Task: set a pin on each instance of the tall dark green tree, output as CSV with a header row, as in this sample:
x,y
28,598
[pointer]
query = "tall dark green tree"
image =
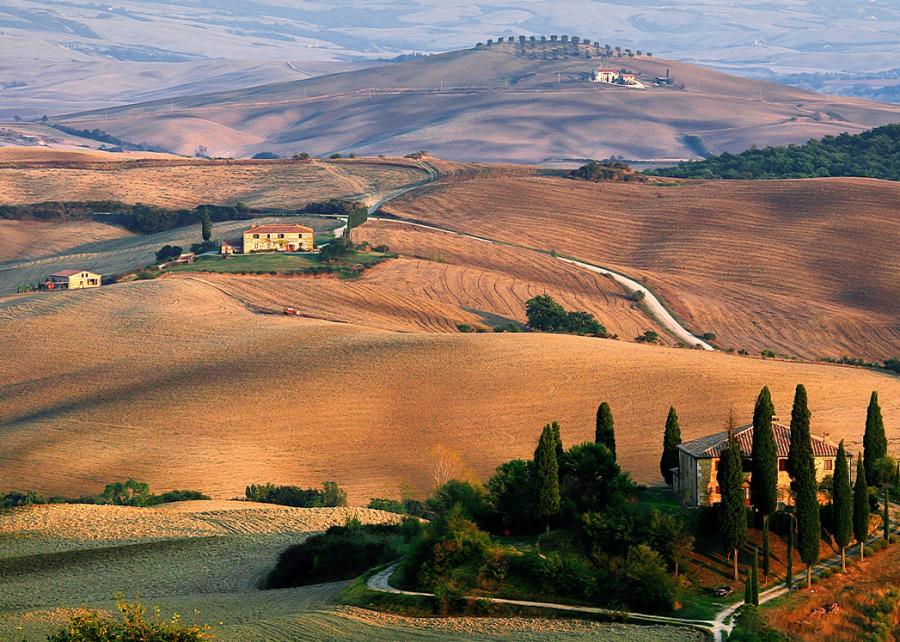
x,y
754,577
886,516
806,489
842,505
764,467
861,508
671,439
789,557
546,471
205,225
605,432
733,515
874,442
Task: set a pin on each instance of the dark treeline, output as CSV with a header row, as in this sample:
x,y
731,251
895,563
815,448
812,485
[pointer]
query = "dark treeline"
x,y
121,493
104,137
872,154
139,217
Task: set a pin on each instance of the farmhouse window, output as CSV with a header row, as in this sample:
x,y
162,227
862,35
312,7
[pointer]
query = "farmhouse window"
x,y
281,236
256,236
829,464
782,465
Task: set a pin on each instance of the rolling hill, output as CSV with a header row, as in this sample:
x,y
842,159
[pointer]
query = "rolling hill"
x,y
806,268
176,383
498,103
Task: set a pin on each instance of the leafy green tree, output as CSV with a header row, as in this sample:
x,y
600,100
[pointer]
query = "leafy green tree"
x,y
511,495
874,441
168,253
205,225
546,470
127,493
806,489
861,508
842,505
605,432
545,314
333,495
764,467
671,439
733,516
591,480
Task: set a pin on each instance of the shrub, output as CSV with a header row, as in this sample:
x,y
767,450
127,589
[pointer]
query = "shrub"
x,y
330,495
96,626
649,336
342,552
15,498
546,315
266,156
402,506
168,253
647,583
381,248
637,296
465,328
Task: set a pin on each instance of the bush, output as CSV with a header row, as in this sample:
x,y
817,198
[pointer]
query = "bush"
x,y
266,156
168,253
647,584
341,553
546,315
330,495
649,336
15,498
96,626
402,506
465,328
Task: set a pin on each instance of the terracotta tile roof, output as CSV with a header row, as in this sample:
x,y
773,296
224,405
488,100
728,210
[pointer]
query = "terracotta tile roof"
x,y
67,273
279,229
713,445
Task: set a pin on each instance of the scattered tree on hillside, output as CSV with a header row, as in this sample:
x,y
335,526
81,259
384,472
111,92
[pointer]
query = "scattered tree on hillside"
x,y
764,467
842,505
605,432
546,315
546,469
874,442
733,516
671,439
803,474
861,508
205,225
168,252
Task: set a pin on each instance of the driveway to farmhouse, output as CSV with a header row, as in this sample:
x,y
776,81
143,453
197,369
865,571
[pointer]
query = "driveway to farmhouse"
x,y
718,627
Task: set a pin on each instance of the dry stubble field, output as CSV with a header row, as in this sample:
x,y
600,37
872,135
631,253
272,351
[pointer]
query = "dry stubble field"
x,y
28,239
177,383
190,182
807,267
204,560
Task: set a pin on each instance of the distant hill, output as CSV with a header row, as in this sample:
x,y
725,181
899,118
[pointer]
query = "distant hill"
x,y
872,154
506,102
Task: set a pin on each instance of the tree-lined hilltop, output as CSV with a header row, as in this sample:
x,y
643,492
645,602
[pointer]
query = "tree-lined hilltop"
x,y
872,154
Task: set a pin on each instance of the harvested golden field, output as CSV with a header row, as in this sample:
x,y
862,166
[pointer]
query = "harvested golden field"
x,y
176,383
441,281
808,268
25,239
20,154
187,183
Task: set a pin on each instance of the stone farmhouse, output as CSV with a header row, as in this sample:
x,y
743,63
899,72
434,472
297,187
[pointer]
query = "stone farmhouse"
x,y
694,479
73,280
279,238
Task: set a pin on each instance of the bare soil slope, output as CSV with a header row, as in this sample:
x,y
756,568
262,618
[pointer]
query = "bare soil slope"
x,y
492,104
178,384
186,182
809,268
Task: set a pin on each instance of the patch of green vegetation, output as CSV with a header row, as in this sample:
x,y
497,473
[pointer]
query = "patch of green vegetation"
x,y
272,263
871,154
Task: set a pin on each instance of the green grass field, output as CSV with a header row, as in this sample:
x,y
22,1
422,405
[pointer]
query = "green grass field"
x,y
280,263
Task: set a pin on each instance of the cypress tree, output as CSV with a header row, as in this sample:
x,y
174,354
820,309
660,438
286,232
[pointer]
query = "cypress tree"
x,y
767,553
886,516
803,473
206,225
671,439
733,515
789,571
546,469
764,467
842,505
754,582
874,441
605,433
861,508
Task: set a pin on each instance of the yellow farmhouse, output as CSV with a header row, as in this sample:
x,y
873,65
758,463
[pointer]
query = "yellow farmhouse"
x,y
695,477
279,238
74,280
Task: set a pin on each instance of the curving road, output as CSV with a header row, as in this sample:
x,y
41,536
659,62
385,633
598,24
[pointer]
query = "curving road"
x,y
719,627
653,305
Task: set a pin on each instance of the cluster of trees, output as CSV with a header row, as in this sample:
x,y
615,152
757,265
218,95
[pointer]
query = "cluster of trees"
x,y
546,315
342,552
336,206
607,171
329,496
139,217
873,154
120,493
104,137
593,536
